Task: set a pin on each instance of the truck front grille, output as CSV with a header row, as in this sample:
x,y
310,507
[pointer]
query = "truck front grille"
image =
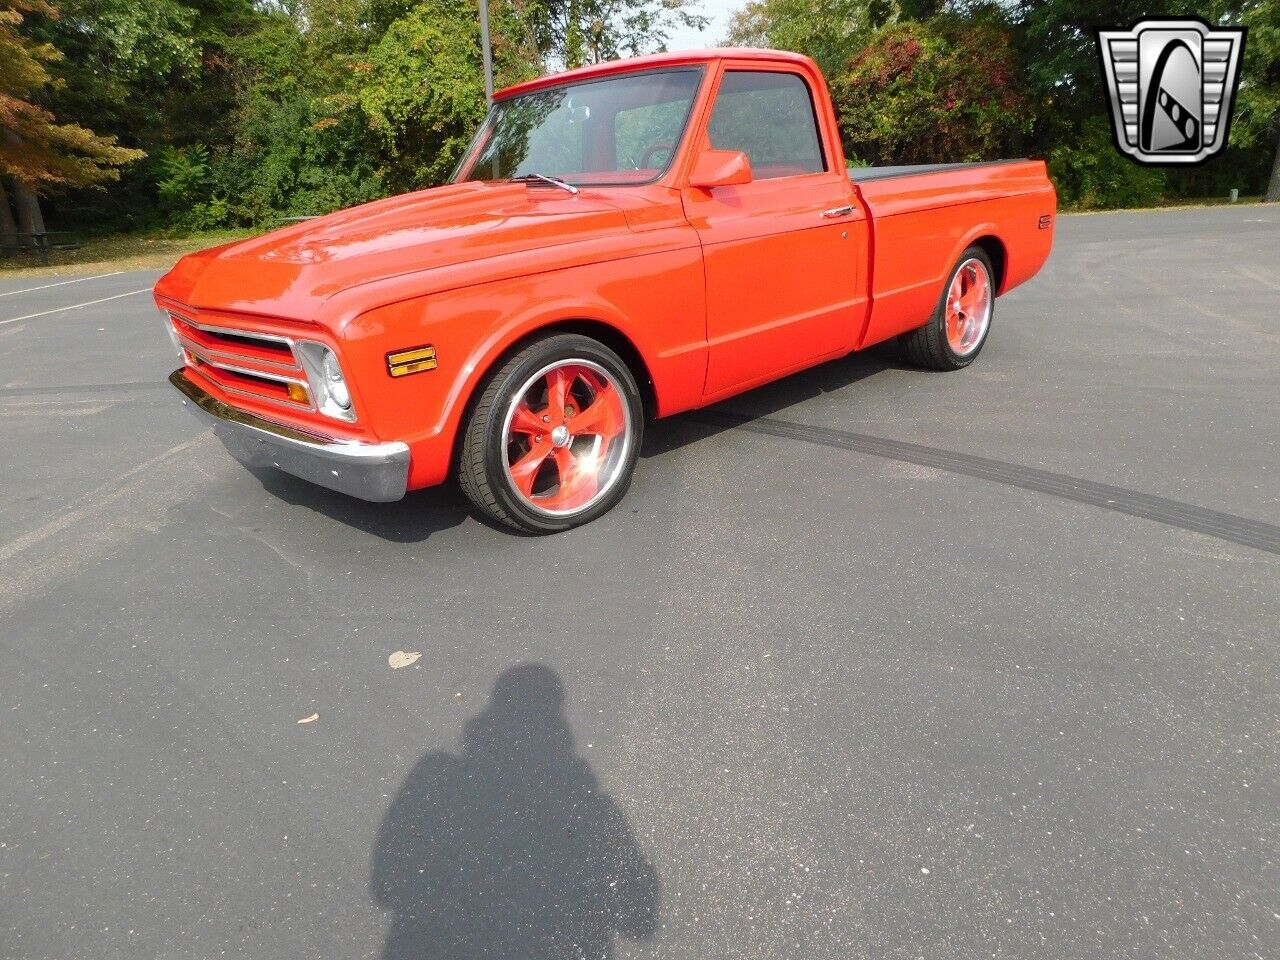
x,y
259,365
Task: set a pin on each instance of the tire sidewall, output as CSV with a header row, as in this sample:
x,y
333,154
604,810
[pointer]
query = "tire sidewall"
x,y
558,349
963,360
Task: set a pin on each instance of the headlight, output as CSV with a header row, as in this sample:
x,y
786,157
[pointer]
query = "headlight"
x,y
324,373
335,386
173,337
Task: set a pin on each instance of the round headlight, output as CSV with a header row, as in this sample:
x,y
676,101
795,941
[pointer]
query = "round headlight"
x,y
334,383
173,338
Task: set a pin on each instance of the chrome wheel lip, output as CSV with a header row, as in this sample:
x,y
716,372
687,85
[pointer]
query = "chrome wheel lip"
x,y
968,342
615,468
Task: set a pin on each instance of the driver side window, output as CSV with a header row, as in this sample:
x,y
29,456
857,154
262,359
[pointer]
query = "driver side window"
x,y
769,116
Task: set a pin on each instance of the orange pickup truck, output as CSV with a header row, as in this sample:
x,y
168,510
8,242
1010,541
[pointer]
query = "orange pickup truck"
x,y
621,242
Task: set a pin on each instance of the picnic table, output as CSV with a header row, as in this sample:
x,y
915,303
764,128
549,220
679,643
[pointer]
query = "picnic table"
x,y
41,243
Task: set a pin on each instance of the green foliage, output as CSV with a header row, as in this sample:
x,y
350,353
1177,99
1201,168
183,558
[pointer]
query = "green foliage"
x,y
829,31
183,171
124,43
1257,115
911,85
1090,173
571,33
288,159
945,90
1069,100
251,110
185,190
113,49
39,149
204,215
423,92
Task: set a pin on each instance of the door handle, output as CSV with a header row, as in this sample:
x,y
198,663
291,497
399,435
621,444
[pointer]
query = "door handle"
x,y
837,212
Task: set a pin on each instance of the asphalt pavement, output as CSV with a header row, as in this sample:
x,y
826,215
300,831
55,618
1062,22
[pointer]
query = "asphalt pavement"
x,y
872,662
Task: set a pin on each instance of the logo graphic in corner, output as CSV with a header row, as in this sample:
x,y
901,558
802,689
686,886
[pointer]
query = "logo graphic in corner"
x,y
1172,83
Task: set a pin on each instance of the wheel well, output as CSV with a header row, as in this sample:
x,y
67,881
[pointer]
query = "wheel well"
x,y
615,340
994,249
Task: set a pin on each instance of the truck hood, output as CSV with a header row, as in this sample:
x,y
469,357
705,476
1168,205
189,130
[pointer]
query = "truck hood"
x,y
289,272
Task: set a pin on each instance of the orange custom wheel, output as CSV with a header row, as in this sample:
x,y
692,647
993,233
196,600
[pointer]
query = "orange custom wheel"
x,y
959,326
552,441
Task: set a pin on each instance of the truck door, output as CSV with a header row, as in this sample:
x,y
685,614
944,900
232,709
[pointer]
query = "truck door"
x,y
782,253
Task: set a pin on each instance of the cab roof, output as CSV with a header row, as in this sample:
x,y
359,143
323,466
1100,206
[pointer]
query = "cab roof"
x,y
681,58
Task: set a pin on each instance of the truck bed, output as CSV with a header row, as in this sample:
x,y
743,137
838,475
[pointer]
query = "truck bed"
x,y
923,216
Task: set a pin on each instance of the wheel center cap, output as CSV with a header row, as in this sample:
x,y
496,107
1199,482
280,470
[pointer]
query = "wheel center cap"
x,y
560,436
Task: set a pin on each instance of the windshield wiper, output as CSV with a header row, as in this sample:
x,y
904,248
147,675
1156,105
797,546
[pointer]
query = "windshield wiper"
x,y
554,181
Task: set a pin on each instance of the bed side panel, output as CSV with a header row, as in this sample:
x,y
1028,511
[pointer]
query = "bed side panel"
x,y
923,222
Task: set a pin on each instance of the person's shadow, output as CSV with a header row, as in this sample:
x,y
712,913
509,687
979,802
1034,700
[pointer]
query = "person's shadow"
x,y
511,850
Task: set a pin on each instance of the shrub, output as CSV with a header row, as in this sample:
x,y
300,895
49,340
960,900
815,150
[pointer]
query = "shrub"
x,y
940,91
183,172
1090,173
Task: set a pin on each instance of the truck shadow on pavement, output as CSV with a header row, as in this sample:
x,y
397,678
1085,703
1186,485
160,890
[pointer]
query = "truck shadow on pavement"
x,y
511,848
411,520
424,512
669,435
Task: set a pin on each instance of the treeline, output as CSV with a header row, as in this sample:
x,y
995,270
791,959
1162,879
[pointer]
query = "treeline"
x,y
199,114
922,81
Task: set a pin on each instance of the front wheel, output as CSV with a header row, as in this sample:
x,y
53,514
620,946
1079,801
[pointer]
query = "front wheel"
x,y
553,439
959,326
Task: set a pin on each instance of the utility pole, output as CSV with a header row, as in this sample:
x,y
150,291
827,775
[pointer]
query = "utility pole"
x,y
486,50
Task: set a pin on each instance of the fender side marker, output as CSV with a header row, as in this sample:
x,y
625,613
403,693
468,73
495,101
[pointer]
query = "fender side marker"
x,y
414,360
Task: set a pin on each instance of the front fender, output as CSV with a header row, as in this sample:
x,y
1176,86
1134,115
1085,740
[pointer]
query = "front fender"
x,y
473,327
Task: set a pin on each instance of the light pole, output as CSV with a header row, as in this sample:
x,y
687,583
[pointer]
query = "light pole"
x,y
485,50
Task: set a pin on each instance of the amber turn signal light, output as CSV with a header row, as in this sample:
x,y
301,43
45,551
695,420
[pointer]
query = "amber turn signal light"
x,y
415,360
298,393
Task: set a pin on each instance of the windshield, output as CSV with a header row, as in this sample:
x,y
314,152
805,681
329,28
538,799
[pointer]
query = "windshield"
x,y
618,131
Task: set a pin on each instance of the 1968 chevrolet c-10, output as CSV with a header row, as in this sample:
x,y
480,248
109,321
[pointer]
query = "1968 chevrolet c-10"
x,y
620,242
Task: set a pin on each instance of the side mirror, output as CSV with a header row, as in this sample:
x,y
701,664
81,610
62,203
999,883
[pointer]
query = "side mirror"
x,y
720,168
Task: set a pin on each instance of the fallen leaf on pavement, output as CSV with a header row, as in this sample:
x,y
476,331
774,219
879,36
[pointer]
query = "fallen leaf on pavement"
x,y
401,659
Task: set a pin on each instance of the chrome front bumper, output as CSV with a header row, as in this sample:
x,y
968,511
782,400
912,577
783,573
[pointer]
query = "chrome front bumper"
x,y
370,471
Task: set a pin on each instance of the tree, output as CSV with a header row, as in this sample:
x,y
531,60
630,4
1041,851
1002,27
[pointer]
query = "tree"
x,y
570,33
829,31
37,153
155,73
1069,101
1257,114
946,90
422,88
297,143
1273,184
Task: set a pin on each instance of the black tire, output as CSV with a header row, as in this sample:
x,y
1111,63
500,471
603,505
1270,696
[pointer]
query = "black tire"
x,y
928,346
483,452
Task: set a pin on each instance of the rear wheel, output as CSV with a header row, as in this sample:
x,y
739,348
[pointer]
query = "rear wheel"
x,y
958,328
553,439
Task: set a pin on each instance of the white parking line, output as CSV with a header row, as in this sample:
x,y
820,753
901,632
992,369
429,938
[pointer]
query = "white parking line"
x,y
62,283
75,306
